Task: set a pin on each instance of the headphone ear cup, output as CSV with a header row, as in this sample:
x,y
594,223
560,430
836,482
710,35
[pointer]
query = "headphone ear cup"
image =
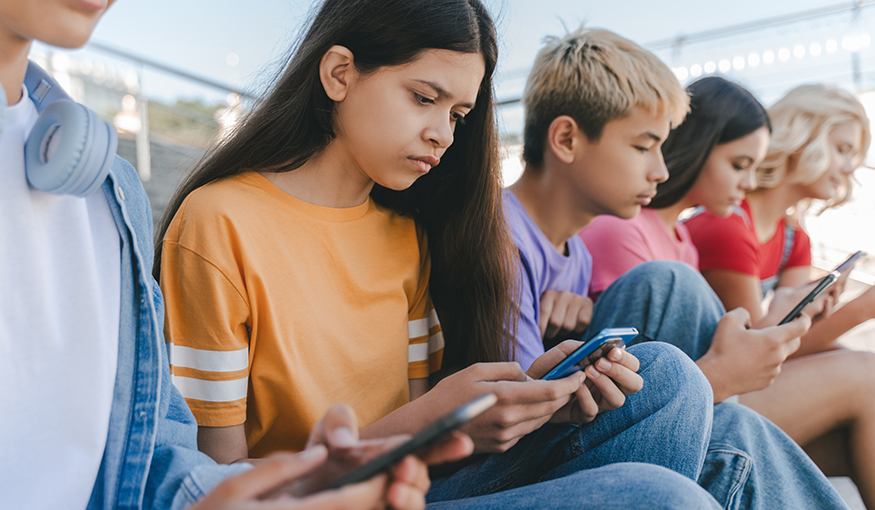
x,y
69,150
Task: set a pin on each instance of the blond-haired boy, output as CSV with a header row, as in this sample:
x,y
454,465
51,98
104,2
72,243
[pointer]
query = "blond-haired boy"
x,y
598,108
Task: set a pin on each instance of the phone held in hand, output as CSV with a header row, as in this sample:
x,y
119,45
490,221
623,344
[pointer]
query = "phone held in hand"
x,y
428,436
821,286
588,353
848,264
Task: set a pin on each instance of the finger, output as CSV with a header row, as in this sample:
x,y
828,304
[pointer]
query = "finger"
x,y
546,310
557,317
455,446
612,396
739,316
545,362
584,316
587,406
496,372
412,471
274,471
341,426
401,496
368,494
625,380
537,391
622,356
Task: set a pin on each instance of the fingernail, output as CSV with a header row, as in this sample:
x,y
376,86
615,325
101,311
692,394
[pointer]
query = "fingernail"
x,y
615,354
592,373
603,364
343,436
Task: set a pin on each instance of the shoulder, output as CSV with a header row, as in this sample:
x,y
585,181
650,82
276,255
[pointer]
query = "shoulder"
x,y
707,227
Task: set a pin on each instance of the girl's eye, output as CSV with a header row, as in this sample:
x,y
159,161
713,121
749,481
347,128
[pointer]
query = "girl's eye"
x,y
738,167
458,118
641,149
422,99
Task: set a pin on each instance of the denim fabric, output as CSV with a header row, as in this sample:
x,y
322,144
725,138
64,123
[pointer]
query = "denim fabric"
x,y
616,487
646,429
151,452
750,462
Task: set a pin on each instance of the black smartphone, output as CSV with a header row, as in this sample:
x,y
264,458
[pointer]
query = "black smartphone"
x,y
821,286
426,437
848,264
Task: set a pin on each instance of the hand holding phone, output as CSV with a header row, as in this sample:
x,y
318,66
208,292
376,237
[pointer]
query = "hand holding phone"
x,y
588,353
821,286
428,436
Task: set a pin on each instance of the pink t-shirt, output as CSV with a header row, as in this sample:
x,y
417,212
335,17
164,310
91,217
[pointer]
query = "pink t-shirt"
x,y
618,245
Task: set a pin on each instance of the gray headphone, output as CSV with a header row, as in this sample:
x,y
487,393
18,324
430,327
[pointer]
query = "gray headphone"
x,y
69,150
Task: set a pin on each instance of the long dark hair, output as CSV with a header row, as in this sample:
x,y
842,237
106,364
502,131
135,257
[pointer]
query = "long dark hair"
x,y
458,203
720,112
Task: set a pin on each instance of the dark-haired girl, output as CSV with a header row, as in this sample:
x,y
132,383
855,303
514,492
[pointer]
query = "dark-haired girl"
x,y
307,259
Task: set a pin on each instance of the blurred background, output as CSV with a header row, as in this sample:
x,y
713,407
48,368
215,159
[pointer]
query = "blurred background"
x,y
176,76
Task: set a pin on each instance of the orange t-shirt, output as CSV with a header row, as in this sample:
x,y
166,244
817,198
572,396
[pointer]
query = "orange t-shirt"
x,y
277,309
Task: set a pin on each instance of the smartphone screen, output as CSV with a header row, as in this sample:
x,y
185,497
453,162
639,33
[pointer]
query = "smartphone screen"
x,y
821,286
426,437
588,353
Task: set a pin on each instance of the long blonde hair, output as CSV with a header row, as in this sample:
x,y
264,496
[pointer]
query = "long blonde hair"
x,y
801,123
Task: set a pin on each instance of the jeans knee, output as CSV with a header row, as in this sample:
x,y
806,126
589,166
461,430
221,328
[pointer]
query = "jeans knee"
x,y
669,374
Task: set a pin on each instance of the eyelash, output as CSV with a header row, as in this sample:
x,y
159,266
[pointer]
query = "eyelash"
x,y
422,100
642,149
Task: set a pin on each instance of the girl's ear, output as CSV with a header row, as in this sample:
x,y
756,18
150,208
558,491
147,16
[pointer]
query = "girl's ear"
x,y
336,70
562,137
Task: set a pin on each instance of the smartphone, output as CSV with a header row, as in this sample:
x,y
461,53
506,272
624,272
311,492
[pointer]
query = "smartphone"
x,y
588,353
848,264
426,437
821,286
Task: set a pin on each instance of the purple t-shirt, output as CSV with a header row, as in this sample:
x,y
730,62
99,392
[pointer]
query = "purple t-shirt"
x,y
543,268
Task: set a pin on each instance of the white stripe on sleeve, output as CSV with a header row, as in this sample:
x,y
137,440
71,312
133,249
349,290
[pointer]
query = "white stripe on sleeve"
x,y
209,361
417,352
211,391
435,342
417,328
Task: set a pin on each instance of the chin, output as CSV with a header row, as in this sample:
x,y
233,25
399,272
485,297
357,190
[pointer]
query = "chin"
x,y
628,213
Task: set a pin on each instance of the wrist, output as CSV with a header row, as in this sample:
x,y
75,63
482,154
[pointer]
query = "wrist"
x,y
710,366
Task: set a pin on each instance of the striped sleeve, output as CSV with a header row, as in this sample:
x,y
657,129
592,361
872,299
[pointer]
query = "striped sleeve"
x,y
426,346
207,337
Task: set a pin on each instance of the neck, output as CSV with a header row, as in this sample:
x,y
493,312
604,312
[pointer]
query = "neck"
x,y
329,179
13,64
769,205
669,215
552,205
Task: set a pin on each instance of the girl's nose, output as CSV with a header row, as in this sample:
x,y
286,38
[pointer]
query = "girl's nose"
x,y
748,180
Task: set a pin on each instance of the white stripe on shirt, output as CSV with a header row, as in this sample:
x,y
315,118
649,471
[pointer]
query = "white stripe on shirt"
x,y
209,361
211,391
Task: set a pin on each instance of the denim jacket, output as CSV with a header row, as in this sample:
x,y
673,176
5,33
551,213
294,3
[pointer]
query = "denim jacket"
x,y
151,458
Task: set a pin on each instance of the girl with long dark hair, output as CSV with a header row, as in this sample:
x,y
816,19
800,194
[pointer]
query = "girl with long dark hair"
x,y
307,259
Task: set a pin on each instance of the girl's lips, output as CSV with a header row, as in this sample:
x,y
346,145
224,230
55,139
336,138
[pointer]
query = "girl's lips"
x,y
425,163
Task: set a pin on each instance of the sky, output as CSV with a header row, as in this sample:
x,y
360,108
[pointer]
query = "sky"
x,y
204,36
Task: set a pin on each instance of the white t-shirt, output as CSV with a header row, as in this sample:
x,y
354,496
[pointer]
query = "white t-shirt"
x,y
60,259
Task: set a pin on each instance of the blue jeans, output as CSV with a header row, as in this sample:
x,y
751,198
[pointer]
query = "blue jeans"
x,y
750,463
666,424
615,487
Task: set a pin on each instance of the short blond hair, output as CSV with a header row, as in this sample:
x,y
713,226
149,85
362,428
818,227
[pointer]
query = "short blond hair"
x,y
801,123
595,76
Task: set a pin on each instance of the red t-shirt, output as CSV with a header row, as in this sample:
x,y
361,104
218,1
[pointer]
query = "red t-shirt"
x,y
731,243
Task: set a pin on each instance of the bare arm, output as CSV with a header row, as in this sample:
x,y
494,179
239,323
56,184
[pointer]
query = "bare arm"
x,y
737,290
224,444
825,332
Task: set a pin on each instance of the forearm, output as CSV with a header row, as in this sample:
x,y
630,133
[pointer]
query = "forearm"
x,y
826,331
407,419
